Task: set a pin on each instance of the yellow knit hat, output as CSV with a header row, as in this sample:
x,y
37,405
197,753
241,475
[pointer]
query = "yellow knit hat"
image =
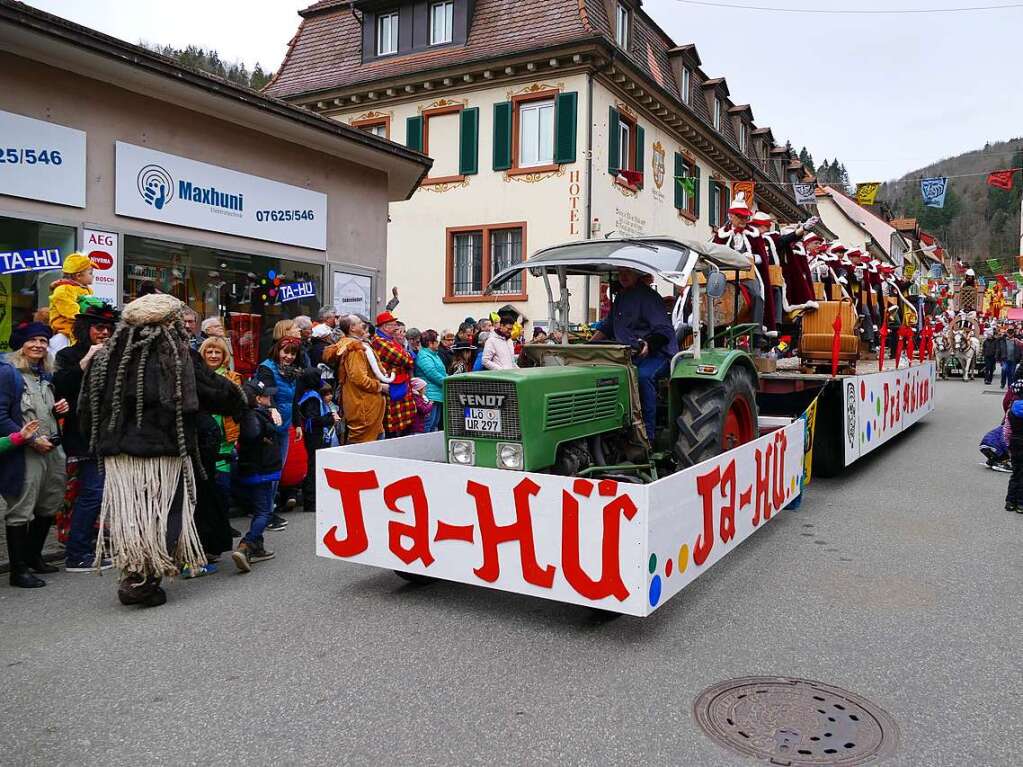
x,y
77,262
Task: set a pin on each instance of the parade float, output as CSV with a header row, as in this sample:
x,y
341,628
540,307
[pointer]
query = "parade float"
x,y
545,482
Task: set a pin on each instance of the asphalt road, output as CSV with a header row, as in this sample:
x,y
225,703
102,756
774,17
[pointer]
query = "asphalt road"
x,y
900,582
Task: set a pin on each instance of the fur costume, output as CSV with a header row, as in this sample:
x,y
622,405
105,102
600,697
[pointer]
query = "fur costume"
x,y
138,408
750,242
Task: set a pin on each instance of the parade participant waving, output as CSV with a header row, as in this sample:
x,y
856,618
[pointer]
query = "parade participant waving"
x,y
739,235
795,293
396,362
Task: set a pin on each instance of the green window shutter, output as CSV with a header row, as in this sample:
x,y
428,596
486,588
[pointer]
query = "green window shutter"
x,y
502,135
679,173
614,151
696,184
469,142
712,190
414,133
565,128
640,154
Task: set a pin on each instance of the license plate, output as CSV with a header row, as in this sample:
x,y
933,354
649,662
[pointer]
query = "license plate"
x,y
483,420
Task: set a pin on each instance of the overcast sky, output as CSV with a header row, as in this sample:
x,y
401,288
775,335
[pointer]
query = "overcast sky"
x,y
885,93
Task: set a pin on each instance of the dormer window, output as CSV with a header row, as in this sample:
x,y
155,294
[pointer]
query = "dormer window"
x,y
622,25
441,22
743,136
685,87
717,113
387,33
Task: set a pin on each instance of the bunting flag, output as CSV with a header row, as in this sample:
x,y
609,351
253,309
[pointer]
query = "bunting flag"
x,y
688,184
1001,179
744,187
994,264
866,194
805,194
933,190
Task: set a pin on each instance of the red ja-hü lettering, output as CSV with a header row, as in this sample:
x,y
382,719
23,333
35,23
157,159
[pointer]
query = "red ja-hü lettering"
x,y
419,531
726,528
610,582
350,484
763,491
521,530
781,442
705,486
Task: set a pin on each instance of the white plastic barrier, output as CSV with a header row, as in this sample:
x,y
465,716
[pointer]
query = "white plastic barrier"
x,y
879,406
615,546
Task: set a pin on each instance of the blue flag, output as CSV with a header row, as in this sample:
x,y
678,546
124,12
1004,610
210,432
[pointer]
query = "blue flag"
x,y
933,191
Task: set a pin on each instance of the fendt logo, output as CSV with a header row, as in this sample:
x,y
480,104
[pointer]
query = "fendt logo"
x,y
482,400
156,186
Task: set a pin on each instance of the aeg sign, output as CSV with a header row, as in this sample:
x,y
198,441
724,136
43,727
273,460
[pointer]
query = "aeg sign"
x,y
101,248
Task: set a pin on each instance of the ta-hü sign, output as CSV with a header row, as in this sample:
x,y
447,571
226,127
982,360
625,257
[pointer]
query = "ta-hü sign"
x,y
33,260
176,190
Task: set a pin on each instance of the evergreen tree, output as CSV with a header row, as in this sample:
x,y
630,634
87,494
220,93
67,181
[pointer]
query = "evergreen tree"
x,y
806,158
209,61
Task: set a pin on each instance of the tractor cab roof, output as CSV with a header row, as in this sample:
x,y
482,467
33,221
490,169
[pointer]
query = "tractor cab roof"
x,y
670,259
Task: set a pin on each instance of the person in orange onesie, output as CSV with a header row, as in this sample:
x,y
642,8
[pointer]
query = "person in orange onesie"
x,y
361,386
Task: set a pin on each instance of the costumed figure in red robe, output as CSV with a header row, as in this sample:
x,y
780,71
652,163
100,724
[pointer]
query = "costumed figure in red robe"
x,y
795,294
739,235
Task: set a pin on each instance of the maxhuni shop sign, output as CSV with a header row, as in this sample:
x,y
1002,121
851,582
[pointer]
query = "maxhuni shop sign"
x,y
157,186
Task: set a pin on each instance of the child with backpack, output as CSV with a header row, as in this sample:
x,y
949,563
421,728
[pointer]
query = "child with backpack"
x,y
259,468
318,420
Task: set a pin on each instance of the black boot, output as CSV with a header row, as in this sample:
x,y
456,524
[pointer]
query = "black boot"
x,y
38,530
17,543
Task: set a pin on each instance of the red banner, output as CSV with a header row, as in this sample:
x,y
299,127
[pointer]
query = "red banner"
x,y
1001,179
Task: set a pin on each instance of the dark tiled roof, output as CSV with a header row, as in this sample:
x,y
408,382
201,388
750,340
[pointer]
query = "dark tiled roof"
x,y
327,51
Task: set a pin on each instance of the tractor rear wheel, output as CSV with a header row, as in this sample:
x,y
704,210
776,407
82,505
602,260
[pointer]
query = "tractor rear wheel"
x,y
716,417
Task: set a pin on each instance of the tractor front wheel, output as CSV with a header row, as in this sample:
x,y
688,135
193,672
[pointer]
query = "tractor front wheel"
x,y
716,417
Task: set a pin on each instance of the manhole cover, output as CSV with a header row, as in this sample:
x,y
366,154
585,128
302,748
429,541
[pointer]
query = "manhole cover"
x,y
795,722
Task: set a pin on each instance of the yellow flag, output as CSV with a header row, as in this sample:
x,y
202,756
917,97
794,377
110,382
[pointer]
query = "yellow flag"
x,y
810,429
6,312
866,194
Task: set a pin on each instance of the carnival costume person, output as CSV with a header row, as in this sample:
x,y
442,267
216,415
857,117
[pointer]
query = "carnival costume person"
x,y
968,292
739,235
796,292
398,366
138,408
65,294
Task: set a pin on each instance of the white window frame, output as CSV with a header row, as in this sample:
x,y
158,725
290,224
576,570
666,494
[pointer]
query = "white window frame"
x,y
622,24
448,10
391,18
743,137
624,145
535,106
377,129
686,85
717,113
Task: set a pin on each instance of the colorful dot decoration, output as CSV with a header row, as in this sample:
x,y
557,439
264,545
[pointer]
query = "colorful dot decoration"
x,y
653,563
655,590
683,558
667,569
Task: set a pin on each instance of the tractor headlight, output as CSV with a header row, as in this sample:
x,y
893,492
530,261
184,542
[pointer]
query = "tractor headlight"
x,y
462,451
509,455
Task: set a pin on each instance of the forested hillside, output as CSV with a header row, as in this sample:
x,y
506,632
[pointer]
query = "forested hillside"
x,y
209,61
978,222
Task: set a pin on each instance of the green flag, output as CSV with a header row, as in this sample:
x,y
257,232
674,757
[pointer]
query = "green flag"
x,y
687,183
994,264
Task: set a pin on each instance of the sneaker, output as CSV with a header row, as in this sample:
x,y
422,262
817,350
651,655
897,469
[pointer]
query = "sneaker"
x,y
291,503
1011,506
277,523
86,566
208,569
260,554
1002,466
241,558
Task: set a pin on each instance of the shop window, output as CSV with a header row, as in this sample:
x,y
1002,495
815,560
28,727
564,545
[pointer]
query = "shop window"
x,y
30,254
250,293
477,254
387,33
441,22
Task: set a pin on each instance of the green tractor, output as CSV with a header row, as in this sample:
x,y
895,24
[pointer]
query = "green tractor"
x,y
573,408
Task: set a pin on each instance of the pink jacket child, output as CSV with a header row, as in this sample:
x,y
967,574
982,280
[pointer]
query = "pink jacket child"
x,y
423,406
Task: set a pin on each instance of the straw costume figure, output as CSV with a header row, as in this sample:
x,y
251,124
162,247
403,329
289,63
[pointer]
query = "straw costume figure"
x,y
138,407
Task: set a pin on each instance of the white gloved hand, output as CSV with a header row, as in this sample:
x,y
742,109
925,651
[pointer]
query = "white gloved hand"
x,y
810,223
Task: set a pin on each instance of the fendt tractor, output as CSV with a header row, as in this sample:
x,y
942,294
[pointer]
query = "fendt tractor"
x,y
573,408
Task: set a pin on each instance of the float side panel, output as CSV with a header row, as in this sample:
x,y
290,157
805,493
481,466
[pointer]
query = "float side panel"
x,y
699,515
880,406
465,524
